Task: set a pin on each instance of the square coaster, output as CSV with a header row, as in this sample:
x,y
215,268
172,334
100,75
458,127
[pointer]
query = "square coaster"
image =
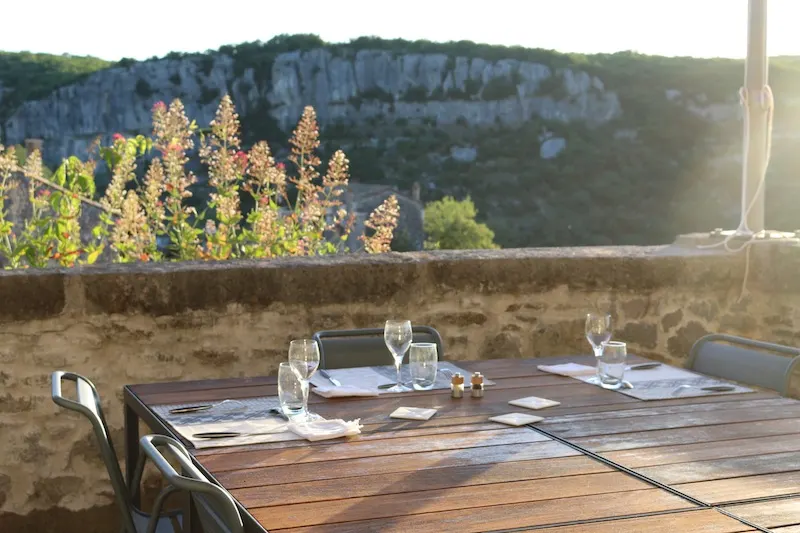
x,y
413,413
534,402
516,419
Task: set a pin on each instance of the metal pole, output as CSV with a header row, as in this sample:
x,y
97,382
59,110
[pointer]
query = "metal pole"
x,y
755,79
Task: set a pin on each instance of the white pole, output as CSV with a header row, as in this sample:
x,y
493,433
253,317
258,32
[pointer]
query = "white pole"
x,y
755,79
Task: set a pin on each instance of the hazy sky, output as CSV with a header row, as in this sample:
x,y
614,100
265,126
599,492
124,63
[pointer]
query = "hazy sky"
x,y
144,28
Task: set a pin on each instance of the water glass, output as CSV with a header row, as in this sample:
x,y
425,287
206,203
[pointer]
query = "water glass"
x,y
292,391
611,364
423,360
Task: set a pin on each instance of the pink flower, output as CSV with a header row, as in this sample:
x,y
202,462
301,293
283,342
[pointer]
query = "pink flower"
x,y
241,159
159,107
117,137
281,166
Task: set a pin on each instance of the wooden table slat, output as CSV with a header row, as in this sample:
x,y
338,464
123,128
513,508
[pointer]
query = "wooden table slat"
x,y
481,519
701,521
399,463
423,479
365,448
684,453
721,491
769,514
469,498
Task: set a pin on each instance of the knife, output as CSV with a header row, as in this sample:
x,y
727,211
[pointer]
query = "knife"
x,y
330,378
644,366
192,409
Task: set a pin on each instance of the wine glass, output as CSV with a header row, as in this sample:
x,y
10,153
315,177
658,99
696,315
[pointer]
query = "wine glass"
x,y
598,332
304,360
397,335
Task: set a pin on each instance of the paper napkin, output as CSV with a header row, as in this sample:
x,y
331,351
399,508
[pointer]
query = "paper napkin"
x,y
533,402
568,369
326,429
413,413
516,419
343,392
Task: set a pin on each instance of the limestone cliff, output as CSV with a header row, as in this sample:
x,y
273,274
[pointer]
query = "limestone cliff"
x,y
371,85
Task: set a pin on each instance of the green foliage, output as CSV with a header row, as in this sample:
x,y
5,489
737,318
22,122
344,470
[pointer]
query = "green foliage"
x,y
450,225
175,79
208,95
499,89
376,93
553,87
26,76
416,93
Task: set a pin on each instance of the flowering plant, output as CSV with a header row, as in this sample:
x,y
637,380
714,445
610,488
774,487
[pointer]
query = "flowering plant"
x,y
298,213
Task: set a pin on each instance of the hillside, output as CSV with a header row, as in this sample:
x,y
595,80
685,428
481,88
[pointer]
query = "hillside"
x,y
555,149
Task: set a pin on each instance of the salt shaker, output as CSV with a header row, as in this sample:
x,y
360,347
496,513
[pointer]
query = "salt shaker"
x,y
457,385
477,385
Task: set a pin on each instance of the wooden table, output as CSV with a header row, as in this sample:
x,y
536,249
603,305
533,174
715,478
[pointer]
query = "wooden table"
x,y
600,462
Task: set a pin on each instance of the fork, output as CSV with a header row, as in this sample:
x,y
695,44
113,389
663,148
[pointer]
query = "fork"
x,y
710,388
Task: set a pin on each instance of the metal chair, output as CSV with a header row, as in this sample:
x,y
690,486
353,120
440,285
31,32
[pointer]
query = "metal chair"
x,y
87,403
365,347
757,363
216,508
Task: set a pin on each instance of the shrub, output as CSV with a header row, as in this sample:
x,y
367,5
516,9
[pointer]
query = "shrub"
x,y
134,217
450,225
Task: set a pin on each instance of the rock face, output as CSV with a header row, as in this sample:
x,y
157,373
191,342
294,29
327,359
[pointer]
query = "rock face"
x,y
370,85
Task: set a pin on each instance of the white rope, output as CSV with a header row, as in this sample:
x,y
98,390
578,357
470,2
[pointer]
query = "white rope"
x,y
767,104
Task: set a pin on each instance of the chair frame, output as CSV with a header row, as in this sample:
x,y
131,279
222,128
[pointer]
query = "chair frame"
x,y
750,343
372,332
123,494
197,483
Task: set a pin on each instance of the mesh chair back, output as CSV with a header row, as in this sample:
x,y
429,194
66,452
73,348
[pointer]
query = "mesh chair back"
x,y
365,347
757,363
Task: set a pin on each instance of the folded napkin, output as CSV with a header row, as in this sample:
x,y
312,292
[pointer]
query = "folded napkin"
x,y
571,370
325,429
343,391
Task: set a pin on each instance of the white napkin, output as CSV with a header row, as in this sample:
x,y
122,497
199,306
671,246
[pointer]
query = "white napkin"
x,y
343,391
326,429
570,370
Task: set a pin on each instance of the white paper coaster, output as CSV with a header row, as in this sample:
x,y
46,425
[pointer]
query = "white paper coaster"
x,y
516,419
534,402
413,413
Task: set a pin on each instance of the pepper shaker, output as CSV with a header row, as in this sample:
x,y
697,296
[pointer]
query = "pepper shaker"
x,y
457,385
477,385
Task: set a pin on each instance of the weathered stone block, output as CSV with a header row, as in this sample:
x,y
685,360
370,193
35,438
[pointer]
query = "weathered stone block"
x,y
645,335
671,320
681,343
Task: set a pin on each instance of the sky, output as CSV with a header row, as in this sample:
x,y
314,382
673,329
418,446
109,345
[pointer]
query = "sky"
x,y
145,28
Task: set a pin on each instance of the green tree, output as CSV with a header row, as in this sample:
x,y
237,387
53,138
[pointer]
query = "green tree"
x,y
450,225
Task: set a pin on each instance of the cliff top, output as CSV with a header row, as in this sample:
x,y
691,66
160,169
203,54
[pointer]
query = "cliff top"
x,y
28,76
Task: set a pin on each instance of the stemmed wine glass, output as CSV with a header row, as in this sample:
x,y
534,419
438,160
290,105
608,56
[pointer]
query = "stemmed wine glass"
x,y
598,332
397,335
304,360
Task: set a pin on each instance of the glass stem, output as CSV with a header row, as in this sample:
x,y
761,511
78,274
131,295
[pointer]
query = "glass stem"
x,y
397,367
598,352
304,386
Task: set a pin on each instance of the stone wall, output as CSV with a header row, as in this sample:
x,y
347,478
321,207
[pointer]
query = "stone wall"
x,y
144,323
